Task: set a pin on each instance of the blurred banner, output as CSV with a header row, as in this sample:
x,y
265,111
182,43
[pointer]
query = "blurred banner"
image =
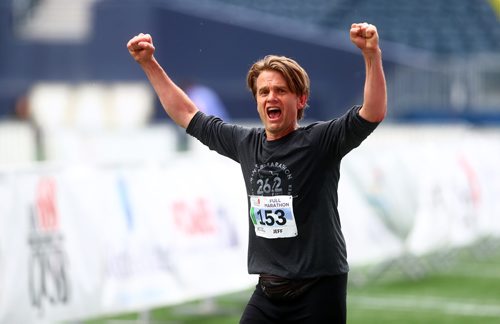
x,y
432,187
86,240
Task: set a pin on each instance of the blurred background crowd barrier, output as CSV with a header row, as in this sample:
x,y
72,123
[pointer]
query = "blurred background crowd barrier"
x,y
106,206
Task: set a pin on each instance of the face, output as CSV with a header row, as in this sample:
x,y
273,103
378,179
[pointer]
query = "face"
x,y
277,105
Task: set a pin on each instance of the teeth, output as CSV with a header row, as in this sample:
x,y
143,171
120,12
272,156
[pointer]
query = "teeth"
x,y
273,112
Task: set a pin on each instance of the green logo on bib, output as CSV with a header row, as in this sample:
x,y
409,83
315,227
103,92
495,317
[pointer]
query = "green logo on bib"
x,y
252,216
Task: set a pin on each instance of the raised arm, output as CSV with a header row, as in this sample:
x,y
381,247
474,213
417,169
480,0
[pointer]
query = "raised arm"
x,y
365,37
175,102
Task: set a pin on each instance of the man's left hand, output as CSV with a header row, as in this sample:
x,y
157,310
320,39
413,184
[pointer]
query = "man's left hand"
x,y
365,37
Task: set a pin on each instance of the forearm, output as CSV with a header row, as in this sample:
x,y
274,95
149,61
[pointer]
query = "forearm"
x,y
175,102
375,92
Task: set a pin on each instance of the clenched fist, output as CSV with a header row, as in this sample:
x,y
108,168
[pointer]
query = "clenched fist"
x,y
364,36
141,47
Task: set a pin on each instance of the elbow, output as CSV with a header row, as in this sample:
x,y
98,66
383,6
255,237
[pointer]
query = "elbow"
x,y
380,116
373,115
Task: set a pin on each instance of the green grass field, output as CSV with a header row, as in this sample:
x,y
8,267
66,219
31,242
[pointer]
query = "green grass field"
x,y
459,287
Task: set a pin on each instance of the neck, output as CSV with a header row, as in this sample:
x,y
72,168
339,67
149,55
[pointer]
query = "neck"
x,y
273,136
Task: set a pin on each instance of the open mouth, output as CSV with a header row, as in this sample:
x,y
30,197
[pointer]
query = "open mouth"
x,y
273,112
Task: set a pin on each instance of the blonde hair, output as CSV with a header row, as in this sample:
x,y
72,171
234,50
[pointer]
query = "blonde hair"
x,y
295,76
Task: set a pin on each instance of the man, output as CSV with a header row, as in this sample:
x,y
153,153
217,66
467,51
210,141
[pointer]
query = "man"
x,y
291,175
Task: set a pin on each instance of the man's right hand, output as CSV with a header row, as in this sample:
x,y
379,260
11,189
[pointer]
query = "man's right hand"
x,y
141,48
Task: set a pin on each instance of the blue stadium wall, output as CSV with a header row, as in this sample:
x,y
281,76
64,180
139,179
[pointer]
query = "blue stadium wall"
x,y
189,48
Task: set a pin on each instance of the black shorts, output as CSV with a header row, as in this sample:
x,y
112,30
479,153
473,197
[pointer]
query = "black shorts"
x,y
323,302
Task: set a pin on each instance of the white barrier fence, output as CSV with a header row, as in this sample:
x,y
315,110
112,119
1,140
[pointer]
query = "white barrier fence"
x,y
432,187
82,241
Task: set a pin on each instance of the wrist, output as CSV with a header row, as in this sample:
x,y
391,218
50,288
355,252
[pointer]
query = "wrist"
x,y
148,64
375,53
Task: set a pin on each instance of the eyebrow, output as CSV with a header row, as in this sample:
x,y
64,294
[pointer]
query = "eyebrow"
x,y
278,87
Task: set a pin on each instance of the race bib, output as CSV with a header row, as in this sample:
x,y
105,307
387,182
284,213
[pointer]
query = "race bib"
x,y
272,216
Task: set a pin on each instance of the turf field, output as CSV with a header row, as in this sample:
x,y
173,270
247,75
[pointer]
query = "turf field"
x,y
459,287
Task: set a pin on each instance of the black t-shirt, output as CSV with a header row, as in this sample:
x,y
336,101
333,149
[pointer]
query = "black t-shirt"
x,y
304,164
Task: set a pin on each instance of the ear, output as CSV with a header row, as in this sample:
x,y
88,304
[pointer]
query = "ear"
x,y
302,100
